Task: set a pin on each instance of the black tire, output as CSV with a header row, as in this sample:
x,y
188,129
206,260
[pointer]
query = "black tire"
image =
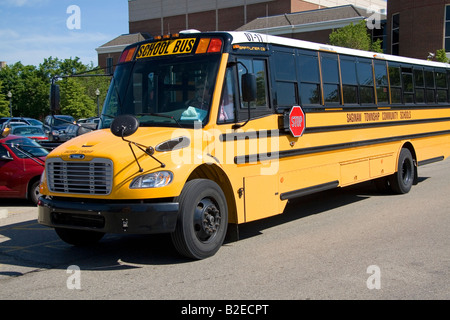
x,y
402,181
202,219
33,192
383,185
79,237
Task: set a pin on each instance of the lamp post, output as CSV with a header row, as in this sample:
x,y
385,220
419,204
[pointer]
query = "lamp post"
x,y
9,94
97,93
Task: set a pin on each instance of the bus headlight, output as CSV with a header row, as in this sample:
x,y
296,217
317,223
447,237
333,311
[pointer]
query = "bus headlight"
x,y
152,180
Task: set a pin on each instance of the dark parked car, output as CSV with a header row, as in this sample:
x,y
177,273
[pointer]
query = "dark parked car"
x,y
55,127
21,166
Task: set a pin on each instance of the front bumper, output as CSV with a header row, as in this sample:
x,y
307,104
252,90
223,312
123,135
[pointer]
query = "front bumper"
x,y
116,217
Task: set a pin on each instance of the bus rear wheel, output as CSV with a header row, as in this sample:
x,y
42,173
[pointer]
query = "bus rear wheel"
x,y
402,181
202,219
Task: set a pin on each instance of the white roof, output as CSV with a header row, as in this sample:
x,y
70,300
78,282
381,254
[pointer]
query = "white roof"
x,y
246,37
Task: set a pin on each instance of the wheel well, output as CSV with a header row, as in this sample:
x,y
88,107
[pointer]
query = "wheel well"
x,y
216,174
409,146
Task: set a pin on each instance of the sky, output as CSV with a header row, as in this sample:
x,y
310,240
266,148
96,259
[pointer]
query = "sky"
x,y
33,30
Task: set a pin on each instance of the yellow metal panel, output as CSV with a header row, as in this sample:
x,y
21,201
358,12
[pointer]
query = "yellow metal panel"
x,y
261,197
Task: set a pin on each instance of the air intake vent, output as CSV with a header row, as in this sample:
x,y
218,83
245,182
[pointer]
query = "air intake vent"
x,y
77,177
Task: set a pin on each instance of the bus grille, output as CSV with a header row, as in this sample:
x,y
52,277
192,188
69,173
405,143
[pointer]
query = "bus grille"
x,y
93,177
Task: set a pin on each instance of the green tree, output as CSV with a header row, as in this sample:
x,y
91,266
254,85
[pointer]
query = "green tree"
x,y
441,56
355,36
4,103
30,88
75,101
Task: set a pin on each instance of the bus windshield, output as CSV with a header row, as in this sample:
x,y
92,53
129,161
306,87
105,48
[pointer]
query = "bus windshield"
x,y
163,92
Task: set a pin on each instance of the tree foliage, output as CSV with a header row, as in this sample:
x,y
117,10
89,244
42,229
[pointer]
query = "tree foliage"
x,y
355,36
4,103
30,88
441,56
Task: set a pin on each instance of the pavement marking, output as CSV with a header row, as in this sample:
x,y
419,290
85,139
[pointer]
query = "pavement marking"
x,y
3,213
4,238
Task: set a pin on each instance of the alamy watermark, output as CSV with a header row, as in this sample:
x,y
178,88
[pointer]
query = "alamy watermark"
x,y
374,20
74,280
73,22
229,147
374,280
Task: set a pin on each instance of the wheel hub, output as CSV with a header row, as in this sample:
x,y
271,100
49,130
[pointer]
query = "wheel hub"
x,y
207,220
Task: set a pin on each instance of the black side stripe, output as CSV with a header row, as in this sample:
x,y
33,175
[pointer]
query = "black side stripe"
x,y
235,136
333,147
372,125
432,160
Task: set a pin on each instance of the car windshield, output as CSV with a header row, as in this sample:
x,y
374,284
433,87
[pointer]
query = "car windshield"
x,y
25,148
27,130
63,121
163,92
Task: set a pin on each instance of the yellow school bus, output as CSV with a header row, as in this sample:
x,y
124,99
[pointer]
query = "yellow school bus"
x,y
201,132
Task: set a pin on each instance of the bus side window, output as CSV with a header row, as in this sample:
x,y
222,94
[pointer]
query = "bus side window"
x,y
349,80
419,83
308,69
330,78
286,88
226,109
365,79
381,82
441,85
396,84
260,106
429,84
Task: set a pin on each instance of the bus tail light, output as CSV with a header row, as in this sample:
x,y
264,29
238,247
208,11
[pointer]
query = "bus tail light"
x,y
127,55
215,45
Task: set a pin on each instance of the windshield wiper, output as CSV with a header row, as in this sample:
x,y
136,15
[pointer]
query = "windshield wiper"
x,y
162,116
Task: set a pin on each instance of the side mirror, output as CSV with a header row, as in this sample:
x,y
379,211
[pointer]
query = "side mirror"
x,y
248,87
124,125
55,99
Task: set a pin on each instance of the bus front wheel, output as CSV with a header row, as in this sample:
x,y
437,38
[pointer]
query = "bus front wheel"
x,y
402,181
202,219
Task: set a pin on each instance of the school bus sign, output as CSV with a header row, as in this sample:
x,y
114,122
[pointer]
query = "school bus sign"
x,y
297,121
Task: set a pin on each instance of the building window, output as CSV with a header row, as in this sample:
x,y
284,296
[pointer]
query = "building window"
x,y
447,29
395,34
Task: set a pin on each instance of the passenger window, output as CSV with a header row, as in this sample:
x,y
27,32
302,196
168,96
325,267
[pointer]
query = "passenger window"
x,y
396,89
365,78
308,65
419,83
349,80
441,85
408,87
285,79
381,80
429,84
330,77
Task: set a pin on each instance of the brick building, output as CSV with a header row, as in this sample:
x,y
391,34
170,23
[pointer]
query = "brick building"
x,y
155,17
418,27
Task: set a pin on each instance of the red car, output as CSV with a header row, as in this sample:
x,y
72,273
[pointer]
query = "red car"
x,y
21,165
